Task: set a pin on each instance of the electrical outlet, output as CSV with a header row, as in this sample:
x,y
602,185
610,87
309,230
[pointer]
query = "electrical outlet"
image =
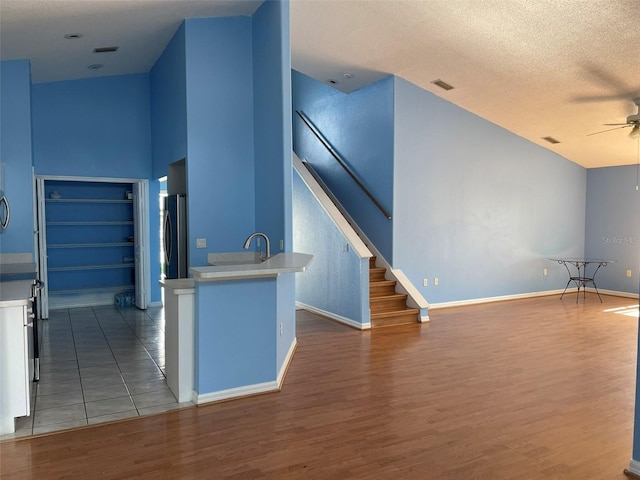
x,y
201,243
436,281
544,272
425,282
629,273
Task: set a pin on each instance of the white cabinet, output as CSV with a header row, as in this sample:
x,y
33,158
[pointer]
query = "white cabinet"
x,y
16,353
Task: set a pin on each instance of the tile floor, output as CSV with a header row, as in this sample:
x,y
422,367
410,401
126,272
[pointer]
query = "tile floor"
x,y
98,364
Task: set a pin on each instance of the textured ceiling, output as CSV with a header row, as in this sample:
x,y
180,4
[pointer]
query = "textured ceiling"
x,y
540,68
35,29
558,68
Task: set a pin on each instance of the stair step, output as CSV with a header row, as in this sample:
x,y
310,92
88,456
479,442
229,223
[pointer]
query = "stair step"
x,y
387,307
377,273
388,319
388,303
382,288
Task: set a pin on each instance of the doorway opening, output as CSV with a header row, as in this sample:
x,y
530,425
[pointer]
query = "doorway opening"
x,y
92,238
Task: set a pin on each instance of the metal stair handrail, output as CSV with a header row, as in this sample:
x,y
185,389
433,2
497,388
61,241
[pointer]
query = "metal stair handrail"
x,y
341,162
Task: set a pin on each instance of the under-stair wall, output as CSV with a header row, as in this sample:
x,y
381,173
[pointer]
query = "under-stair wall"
x,y
348,273
336,284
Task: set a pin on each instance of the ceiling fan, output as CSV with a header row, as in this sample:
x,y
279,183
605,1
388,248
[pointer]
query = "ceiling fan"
x,y
633,121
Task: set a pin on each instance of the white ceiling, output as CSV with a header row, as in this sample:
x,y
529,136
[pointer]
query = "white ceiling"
x,y
558,68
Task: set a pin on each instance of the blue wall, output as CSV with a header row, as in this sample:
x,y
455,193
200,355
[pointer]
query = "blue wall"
x,y
478,207
272,149
168,90
220,155
359,126
95,127
474,205
613,225
333,282
235,345
16,155
272,104
98,128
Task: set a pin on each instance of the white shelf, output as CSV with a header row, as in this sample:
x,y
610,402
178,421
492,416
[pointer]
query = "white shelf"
x,y
128,222
91,245
86,200
114,288
91,267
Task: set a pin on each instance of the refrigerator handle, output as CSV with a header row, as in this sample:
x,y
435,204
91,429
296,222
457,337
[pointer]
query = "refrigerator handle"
x,y
5,221
168,241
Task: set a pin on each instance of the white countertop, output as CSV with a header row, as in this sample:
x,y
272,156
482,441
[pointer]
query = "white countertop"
x,y
16,293
280,263
179,286
17,271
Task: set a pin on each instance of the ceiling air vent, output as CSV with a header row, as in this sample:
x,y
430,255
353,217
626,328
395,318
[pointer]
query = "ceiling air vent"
x,y
105,49
551,140
443,85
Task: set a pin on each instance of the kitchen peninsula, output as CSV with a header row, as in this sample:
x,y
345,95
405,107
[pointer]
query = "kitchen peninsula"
x,y
242,316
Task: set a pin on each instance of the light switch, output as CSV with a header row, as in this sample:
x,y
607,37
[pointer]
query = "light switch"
x,y
201,243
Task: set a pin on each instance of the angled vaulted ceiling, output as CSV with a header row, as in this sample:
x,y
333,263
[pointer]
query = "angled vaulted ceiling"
x,y
558,68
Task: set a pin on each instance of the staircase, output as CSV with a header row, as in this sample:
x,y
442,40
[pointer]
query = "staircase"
x,y
388,308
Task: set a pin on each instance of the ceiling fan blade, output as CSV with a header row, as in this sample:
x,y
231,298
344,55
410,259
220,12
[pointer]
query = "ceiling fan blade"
x,y
616,124
635,132
604,98
608,130
617,87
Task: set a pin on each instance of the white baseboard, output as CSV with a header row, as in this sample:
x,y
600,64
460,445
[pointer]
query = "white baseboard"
x,y
614,293
475,301
501,298
237,392
61,302
287,361
634,467
570,291
248,390
333,316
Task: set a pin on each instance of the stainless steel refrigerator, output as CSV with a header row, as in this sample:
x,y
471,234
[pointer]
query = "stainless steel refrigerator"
x,y
175,236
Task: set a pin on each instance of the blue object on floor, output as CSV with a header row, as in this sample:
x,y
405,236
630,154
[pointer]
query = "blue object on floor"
x,y
126,299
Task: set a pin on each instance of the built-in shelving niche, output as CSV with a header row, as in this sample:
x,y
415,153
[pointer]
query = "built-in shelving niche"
x,y
90,250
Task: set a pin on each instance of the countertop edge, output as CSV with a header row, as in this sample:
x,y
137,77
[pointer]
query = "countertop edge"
x,y
280,263
179,286
15,293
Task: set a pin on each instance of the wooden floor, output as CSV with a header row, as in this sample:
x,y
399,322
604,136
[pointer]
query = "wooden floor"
x,y
526,389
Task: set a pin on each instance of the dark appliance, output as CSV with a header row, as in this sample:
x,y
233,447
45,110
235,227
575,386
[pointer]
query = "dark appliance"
x,y
175,236
5,212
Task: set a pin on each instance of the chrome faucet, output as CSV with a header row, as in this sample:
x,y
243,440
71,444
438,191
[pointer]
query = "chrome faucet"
x,y
266,241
